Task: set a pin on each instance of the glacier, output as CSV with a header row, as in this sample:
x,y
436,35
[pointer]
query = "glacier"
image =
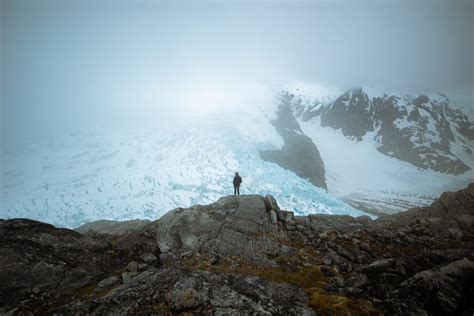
x,y
106,174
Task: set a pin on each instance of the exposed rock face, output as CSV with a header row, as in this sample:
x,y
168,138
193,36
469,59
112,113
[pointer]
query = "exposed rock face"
x,y
38,258
43,265
225,227
161,291
298,154
246,255
418,130
440,289
113,227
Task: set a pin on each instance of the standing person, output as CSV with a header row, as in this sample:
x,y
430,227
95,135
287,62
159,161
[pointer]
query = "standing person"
x,y
237,182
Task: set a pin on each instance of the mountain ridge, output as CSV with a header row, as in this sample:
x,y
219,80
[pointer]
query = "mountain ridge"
x,y
416,129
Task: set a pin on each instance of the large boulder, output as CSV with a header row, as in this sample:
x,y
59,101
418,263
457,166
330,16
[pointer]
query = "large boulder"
x,y
233,225
443,290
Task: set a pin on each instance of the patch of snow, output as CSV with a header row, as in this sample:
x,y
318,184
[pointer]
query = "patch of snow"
x,y
402,123
310,91
437,97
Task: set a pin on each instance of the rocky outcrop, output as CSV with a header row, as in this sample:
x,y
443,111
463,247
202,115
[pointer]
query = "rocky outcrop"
x,y
444,290
113,227
226,227
43,266
418,130
247,255
298,154
451,214
175,291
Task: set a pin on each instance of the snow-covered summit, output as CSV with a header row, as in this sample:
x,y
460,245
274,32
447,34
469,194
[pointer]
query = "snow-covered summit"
x,y
424,130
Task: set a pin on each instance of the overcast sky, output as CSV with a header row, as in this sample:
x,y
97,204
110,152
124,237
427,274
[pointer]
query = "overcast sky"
x,y
70,63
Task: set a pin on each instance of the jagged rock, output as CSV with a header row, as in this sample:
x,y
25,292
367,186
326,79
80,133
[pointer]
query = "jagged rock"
x,y
140,245
127,277
418,130
302,221
365,246
286,216
132,266
108,283
442,290
378,266
273,217
148,258
183,299
346,253
271,204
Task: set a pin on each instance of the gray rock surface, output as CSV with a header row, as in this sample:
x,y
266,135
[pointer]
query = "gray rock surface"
x,y
246,255
112,227
162,291
231,226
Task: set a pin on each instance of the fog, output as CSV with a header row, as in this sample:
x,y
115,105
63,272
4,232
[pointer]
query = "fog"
x,y
75,65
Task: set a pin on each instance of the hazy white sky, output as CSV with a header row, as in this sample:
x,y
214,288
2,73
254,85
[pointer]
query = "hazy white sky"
x,y
78,63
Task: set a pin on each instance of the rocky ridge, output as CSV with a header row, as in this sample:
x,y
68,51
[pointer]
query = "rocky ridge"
x,y
419,129
113,227
298,153
246,255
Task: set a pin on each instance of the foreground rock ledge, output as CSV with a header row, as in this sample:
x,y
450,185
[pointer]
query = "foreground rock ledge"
x,y
245,255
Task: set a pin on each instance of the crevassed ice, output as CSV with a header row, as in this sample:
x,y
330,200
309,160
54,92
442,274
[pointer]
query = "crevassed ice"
x,y
101,176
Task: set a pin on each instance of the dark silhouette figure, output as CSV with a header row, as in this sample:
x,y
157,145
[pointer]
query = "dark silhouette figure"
x,y
237,182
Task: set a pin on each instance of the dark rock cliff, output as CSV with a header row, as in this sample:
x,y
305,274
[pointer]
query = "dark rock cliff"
x,y
298,154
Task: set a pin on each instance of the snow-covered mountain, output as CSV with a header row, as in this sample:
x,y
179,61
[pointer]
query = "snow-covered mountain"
x,y
81,177
422,130
387,152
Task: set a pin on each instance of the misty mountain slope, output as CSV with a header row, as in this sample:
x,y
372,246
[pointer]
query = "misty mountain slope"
x,y
359,166
298,153
418,129
85,177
